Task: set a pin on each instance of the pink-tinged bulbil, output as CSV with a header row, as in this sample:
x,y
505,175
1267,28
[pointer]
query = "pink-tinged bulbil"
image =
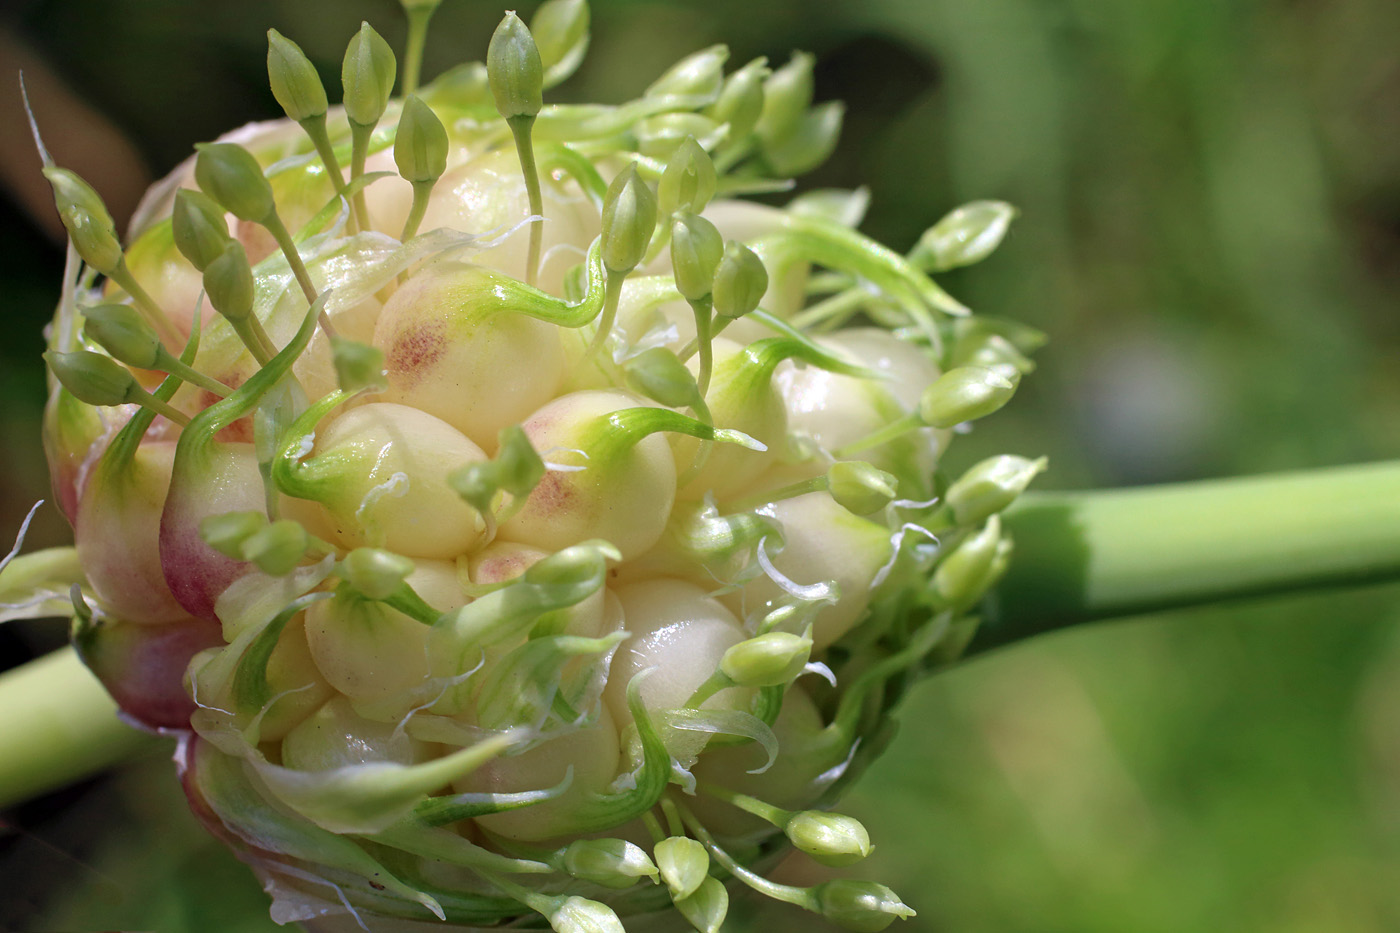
x,y
143,666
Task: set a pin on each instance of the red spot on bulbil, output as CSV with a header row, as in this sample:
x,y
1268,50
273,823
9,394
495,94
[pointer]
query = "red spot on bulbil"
x,y
415,351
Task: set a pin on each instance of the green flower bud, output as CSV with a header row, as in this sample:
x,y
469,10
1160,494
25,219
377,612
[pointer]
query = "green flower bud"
x,y
740,281
629,218
90,227
226,531
966,235
367,76
294,80
230,175
276,549
199,227
707,907
477,484
689,181
810,142
375,572
357,365
830,838
420,143
740,103
92,377
860,488
863,906
659,137
698,75
124,333
772,659
786,96
696,250
519,468
560,30
659,375
228,281
964,394
612,863
580,915
990,486
514,67
964,575
684,865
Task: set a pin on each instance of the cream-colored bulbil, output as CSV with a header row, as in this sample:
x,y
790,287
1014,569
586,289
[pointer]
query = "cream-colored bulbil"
x,y
335,736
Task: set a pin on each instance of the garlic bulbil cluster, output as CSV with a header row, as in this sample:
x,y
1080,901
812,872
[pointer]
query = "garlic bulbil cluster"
x,y
513,520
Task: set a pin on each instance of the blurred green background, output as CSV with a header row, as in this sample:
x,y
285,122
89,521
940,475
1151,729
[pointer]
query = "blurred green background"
x,y
1211,236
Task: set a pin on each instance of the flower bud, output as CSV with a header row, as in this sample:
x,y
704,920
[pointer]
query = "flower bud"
x,y
772,659
810,142
420,143
689,181
786,96
199,227
697,75
612,863
519,468
357,365
90,227
226,531
629,218
375,572
367,76
659,137
230,175
740,281
830,838
696,250
276,549
92,377
990,486
659,375
859,487
966,235
964,394
964,575
863,906
514,68
707,907
228,281
740,103
477,484
684,865
580,915
124,333
294,80
560,30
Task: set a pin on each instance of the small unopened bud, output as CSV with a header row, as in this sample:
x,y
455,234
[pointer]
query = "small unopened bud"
x,y
580,915
707,907
477,484
689,181
420,143
89,226
294,80
199,227
514,68
659,375
966,235
696,250
375,572
740,103
860,488
230,175
768,660
698,75
560,30
684,865
786,96
612,863
830,838
810,143
124,333
276,549
519,468
740,281
357,365
92,377
964,575
227,531
629,218
863,906
990,486
367,76
228,281
659,137
964,394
